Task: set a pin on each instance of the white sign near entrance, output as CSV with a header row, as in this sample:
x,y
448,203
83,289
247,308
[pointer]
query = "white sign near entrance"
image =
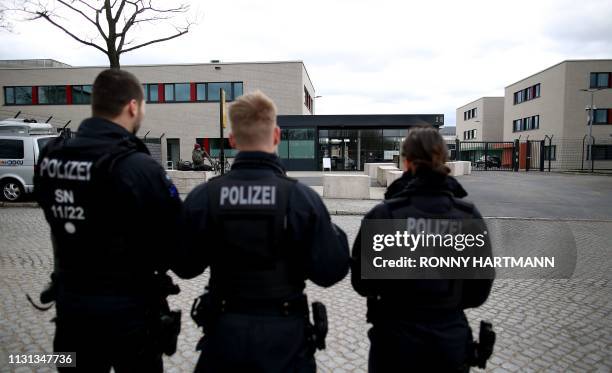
x,y
326,163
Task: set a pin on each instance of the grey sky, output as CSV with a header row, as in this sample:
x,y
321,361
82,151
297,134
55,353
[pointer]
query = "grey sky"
x,y
371,57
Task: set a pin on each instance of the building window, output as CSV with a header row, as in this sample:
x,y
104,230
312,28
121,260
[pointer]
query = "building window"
x,y
52,95
550,152
601,152
527,94
201,92
81,94
182,92
602,116
600,80
469,114
297,143
151,92
238,90
308,101
213,91
18,95
11,149
526,124
469,135
168,92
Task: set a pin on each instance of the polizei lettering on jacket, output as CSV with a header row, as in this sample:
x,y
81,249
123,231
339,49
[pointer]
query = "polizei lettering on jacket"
x,y
240,195
65,169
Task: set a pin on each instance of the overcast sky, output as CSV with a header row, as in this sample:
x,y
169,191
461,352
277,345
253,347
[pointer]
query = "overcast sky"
x,y
369,57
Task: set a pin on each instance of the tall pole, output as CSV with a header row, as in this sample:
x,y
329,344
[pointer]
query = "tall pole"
x,y
221,125
591,114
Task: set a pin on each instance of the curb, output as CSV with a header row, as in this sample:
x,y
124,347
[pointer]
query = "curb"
x,y
19,204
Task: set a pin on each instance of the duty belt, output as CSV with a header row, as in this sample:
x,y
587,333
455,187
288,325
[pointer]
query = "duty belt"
x,y
290,307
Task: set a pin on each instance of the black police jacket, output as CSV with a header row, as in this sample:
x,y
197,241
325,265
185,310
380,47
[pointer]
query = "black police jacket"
x,y
262,233
429,192
112,210
398,185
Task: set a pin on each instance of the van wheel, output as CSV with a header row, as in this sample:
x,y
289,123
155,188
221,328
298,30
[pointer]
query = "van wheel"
x,y
12,190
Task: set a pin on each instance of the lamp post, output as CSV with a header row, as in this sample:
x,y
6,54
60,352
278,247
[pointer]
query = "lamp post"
x,y
591,117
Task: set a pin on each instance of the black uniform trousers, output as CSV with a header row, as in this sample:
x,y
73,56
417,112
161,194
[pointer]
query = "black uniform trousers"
x,y
105,332
249,343
420,346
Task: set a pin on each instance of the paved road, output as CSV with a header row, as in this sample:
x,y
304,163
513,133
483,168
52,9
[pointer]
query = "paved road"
x,y
558,325
520,194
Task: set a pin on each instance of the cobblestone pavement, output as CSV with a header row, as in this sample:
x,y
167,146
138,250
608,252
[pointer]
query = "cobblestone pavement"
x,y
556,325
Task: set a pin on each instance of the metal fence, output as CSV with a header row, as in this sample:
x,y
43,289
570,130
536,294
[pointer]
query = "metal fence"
x,y
548,154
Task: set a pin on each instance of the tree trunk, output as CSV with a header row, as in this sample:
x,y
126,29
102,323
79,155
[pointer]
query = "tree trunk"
x,y
113,59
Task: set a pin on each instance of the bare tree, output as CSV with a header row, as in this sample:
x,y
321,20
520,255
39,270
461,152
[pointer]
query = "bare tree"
x,y
111,21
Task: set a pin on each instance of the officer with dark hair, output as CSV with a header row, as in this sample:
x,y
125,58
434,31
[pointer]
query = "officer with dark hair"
x,y
420,324
113,213
265,235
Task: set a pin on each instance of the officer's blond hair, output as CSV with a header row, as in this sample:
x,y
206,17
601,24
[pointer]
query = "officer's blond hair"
x,y
253,119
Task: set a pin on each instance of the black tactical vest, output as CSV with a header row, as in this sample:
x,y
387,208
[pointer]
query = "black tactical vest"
x,y
74,188
251,258
420,295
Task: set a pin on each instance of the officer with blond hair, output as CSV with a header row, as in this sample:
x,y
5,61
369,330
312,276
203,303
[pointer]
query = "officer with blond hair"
x,y
263,235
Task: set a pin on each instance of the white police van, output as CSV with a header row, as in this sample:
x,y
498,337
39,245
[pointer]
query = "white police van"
x,y
20,143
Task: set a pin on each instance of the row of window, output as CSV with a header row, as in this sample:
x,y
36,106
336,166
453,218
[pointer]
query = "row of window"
x,y
600,80
308,101
469,114
190,92
527,94
81,94
526,124
469,135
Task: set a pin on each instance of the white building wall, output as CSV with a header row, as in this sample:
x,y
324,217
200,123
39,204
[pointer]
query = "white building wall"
x,y
283,82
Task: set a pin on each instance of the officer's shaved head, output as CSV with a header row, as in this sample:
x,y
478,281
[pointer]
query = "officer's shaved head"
x,y
118,96
253,120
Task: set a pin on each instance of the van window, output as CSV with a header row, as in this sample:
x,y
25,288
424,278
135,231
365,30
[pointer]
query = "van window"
x,y
43,141
11,149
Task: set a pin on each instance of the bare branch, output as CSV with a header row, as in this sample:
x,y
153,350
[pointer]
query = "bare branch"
x,y
179,33
45,15
95,23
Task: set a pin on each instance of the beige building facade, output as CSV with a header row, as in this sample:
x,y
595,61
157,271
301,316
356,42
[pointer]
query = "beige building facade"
x,y
481,120
555,98
182,99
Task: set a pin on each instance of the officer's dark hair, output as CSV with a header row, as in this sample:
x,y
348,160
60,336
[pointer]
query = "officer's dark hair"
x,y
425,148
112,90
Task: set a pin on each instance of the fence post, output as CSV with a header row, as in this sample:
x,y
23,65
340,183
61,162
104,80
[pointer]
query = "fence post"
x,y
486,154
592,141
542,152
515,155
527,155
457,150
582,158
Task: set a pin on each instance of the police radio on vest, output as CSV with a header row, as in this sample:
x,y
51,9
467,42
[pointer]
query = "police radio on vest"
x,y
247,195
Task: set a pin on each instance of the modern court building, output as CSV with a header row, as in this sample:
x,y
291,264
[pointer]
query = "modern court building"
x,y
551,105
183,109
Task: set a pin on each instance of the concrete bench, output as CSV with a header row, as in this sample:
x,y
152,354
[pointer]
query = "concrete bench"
x,y
467,167
380,174
185,181
346,186
391,176
456,168
459,168
370,168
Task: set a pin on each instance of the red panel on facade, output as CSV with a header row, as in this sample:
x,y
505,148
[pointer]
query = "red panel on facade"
x,y
34,95
609,116
160,92
206,145
192,91
69,95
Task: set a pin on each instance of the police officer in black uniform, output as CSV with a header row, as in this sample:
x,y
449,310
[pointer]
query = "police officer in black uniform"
x,y
420,325
112,212
262,234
